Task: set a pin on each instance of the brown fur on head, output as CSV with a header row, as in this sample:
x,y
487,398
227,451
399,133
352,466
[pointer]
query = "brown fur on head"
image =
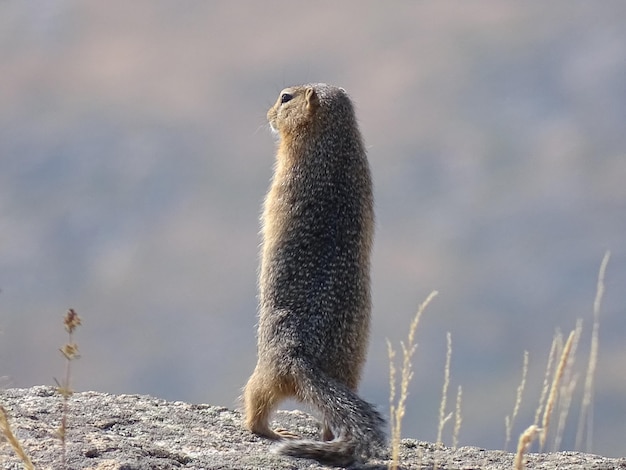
x,y
293,109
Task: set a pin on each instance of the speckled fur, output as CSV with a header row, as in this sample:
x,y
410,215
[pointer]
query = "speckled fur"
x,y
314,280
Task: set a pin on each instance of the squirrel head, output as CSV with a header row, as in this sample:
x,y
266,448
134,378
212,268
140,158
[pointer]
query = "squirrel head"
x,y
303,109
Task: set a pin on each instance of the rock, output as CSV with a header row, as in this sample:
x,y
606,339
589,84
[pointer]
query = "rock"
x,y
133,432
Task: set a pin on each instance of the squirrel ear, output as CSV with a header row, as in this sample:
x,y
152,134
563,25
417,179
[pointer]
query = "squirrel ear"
x,y
312,100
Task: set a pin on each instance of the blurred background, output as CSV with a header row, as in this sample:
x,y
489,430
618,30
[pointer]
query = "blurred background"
x,y
135,155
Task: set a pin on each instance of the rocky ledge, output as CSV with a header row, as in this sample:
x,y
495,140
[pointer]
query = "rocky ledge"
x,y
134,432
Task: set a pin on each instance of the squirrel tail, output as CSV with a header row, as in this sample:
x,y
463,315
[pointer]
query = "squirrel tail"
x,y
356,425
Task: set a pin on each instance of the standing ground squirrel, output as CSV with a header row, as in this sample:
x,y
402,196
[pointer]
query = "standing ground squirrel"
x,y
317,227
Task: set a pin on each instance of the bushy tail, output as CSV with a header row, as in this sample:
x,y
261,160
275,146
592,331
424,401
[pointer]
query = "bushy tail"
x,y
356,425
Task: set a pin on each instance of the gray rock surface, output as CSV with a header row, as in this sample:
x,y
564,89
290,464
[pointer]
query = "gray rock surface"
x,y
133,432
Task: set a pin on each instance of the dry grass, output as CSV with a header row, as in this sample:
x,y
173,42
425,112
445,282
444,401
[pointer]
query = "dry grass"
x,y
559,385
563,384
508,421
5,428
561,390
443,418
567,387
557,342
398,409
70,352
554,388
525,440
458,419
586,410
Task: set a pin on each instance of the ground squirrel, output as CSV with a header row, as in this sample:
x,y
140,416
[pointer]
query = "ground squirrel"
x,y
317,229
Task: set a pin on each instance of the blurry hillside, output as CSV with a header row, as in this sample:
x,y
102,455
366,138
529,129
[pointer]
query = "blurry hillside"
x,y
134,156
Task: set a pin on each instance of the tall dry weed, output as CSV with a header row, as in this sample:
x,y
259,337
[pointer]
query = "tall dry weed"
x,y
397,410
585,421
7,432
443,418
508,421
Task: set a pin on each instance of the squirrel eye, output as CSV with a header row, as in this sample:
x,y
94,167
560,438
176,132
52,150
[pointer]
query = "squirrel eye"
x,y
285,97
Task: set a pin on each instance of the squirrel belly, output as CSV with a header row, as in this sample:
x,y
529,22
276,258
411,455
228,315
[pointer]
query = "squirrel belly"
x,y
314,314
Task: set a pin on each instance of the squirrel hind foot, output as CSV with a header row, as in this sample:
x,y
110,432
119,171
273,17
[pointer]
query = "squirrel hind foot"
x,y
275,435
286,434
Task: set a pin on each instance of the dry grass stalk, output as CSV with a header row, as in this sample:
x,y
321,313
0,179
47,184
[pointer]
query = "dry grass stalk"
x,y
458,419
395,439
70,352
398,409
586,410
558,375
5,427
525,440
508,422
556,341
567,391
568,385
444,392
